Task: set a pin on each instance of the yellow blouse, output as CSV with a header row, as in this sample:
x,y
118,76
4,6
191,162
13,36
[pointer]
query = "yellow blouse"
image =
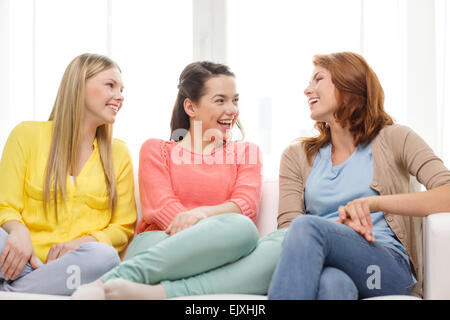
x,y
85,211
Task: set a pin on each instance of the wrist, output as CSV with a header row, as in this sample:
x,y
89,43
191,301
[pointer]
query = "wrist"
x,y
373,203
15,226
203,212
85,239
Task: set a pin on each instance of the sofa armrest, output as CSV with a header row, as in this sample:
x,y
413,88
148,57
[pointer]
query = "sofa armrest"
x,y
437,256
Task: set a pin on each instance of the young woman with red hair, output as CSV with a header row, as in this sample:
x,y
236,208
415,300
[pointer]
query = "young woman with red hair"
x,y
344,194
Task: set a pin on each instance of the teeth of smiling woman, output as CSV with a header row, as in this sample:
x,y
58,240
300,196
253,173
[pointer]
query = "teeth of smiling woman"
x,y
114,107
314,100
228,122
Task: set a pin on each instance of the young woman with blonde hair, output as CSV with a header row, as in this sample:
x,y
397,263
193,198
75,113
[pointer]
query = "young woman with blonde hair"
x,y
344,194
67,197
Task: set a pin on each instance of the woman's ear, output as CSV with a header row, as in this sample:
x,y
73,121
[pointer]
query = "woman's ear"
x,y
189,107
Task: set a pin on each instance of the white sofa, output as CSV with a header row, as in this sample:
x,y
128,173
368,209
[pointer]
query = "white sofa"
x,y
437,257
436,238
436,244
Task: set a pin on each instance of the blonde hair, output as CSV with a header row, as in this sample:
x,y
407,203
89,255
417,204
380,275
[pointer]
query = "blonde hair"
x,y
67,115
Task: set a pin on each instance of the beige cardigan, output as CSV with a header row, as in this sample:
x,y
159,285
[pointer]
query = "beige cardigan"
x,y
398,154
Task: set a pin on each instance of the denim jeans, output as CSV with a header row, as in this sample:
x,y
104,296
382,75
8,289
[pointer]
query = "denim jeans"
x,y
323,259
63,275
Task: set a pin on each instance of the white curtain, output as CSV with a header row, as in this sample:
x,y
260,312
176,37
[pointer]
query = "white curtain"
x,y
269,45
150,40
443,77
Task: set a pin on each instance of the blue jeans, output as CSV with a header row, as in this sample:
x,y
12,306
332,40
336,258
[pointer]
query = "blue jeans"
x,y
65,274
323,259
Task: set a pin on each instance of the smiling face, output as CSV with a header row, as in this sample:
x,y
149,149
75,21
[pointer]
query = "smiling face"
x,y
217,108
321,95
103,97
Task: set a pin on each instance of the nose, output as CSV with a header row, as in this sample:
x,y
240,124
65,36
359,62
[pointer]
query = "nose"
x,y
119,96
232,109
307,90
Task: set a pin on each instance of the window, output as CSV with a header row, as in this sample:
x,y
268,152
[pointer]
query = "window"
x,y
150,40
268,44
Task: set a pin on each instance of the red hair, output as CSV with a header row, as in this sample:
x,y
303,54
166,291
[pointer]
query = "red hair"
x,y
360,100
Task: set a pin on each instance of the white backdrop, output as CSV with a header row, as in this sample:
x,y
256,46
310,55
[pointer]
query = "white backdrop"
x,y
267,43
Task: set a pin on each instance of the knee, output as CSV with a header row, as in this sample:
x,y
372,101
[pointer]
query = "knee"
x,y
303,226
305,222
242,228
234,231
101,257
242,223
336,285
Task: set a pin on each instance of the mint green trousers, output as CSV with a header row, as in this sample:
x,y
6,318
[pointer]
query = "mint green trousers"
x,y
220,254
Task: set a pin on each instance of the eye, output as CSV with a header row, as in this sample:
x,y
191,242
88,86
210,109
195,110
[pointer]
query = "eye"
x,y
109,84
220,101
318,79
236,100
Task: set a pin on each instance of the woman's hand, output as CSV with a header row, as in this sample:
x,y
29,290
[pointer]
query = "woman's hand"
x,y
58,250
356,215
186,219
18,250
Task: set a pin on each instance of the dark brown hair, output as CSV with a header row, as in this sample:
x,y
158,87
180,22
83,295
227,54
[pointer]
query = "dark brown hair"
x,y
192,85
360,100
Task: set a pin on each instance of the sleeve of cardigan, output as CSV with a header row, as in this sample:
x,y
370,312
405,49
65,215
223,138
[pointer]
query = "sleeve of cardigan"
x,y
158,200
123,219
291,189
12,176
419,159
247,189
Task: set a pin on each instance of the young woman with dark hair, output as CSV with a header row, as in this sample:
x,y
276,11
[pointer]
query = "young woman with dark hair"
x,y
199,193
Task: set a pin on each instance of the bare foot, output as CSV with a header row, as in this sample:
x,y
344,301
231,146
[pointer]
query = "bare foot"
x,y
91,291
121,289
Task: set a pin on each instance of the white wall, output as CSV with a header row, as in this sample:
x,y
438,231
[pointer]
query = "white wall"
x,y
267,43
422,112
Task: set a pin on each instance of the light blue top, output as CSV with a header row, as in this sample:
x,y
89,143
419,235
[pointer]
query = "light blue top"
x,y
329,187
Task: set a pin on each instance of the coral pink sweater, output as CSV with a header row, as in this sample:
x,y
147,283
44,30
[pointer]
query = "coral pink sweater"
x,y
173,179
